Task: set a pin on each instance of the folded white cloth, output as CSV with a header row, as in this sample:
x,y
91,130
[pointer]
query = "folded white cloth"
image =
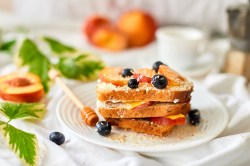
x,y
232,147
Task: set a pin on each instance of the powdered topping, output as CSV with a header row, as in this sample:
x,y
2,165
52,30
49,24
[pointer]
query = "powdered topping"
x,y
184,132
176,100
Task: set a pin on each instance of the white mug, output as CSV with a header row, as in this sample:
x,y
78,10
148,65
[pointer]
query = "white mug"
x,y
179,47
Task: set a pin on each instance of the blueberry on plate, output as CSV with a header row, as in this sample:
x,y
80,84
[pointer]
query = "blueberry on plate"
x,y
156,65
57,137
127,72
103,127
133,83
159,81
194,117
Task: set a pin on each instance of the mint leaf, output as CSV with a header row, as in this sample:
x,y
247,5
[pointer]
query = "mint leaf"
x,y
57,46
7,46
83,67
22,110
22,143
37,62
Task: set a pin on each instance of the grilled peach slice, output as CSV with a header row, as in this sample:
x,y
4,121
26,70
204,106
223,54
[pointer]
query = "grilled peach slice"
x,y
113,76
172,120
173,77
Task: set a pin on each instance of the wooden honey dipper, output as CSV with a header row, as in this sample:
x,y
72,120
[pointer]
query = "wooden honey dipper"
x,y
87,113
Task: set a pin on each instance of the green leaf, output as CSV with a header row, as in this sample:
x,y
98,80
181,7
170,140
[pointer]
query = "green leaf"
x,y
7,46
22,110
24,144
37,62
57,46
83,67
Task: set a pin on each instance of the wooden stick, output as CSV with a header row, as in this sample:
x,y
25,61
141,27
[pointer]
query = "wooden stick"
x,y
88,114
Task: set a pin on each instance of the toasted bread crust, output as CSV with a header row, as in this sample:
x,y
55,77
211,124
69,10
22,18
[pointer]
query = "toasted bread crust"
x,y
156,110
141,126
144,95
178,88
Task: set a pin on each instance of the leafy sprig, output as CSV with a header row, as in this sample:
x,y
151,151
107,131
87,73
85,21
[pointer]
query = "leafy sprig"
x,y
72,63
8,45
81,67
24,144
38,63
22,110
58,47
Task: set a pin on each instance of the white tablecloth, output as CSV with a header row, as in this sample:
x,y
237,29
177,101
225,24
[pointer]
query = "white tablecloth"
x,y
232,147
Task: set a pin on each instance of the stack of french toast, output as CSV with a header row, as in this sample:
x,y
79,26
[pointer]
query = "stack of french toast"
x,y
151,101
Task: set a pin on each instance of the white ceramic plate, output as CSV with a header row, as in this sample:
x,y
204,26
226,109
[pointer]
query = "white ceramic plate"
x,y
204,65
214,120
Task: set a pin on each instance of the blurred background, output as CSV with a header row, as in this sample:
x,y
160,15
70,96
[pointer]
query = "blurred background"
x,y
209,15
126,35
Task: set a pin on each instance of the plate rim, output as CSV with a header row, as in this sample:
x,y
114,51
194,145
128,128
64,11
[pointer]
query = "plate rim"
x,y
197,72
143,149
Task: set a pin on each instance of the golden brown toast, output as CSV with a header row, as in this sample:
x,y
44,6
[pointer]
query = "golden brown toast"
x,y
116,110
109,92
113,87
141,126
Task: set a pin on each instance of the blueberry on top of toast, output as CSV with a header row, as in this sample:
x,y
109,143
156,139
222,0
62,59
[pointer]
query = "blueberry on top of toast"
x,y
156,65
133,83
159,81
127,72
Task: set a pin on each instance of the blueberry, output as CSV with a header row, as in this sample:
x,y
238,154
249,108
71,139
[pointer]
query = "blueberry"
x,y
133,83
194,117
159,81
103,127
127,72
156,65
57,138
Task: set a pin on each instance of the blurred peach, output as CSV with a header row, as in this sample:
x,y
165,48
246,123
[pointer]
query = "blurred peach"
x,y
94,22
139,26
109,38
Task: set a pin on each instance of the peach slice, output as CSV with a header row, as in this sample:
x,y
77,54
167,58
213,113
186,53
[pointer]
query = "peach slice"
x,y
113,75
145,71
21,87
174,78
179,119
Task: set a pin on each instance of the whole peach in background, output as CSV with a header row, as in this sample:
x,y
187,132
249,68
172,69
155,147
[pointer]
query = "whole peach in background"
x,y
109,38
139,27
93,23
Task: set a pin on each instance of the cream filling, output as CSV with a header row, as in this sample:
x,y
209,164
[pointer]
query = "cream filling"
x,y
125,105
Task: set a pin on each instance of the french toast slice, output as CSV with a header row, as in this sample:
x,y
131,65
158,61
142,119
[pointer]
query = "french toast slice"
x,y
141,126
113,87
121,110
